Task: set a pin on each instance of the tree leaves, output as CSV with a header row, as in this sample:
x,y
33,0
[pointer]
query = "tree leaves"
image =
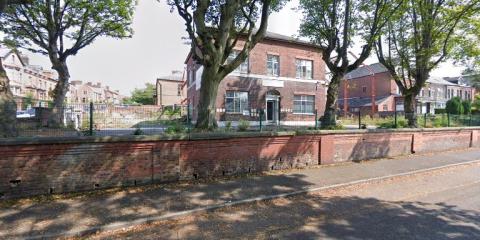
x,y
62,28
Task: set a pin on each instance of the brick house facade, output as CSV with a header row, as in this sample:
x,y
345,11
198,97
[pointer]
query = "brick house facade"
x,y
283,80
169,89
357,89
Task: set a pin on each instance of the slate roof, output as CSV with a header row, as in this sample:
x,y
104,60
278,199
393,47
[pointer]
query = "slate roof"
x,y
176,76
440,81
364,71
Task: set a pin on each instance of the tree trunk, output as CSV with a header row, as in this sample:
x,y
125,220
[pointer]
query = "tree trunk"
x,y
330,117
8,107
410,113
59,93
208,96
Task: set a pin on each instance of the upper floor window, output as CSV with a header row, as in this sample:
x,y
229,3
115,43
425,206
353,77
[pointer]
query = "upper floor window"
x,y
243,68
364,89
304,69
190,77
303,104
236,102
179,90
273,65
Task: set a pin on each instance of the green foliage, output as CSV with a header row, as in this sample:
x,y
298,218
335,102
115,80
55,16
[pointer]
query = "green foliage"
x,y
228,126
467,107
333,127
420,36
440,110
476,104
171,112
401,123
77,22
455,106
243,125
175,127
28,101
138,131
143,96
214,29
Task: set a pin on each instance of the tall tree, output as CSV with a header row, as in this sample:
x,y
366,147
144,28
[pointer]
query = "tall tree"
x,y
61,28
8,107
214,28
335,25
420,37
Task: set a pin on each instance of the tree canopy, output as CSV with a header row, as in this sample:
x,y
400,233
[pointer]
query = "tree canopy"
x,y
421,36
215,28
335,25
61,28
144,96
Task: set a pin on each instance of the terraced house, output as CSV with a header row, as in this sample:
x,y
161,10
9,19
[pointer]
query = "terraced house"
x,y
374,82
27,81
282,82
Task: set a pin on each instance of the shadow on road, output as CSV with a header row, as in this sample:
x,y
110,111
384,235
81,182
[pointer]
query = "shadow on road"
x,y
316,217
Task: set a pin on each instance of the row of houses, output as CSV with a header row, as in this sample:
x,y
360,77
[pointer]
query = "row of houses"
x,y
36,84
374,84
284,81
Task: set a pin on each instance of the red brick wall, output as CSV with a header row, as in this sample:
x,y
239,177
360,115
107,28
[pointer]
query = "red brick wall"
x,y
384,86
288,53
79,165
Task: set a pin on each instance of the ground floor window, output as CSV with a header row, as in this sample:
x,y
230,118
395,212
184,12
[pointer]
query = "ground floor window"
x,y
236,102
304,104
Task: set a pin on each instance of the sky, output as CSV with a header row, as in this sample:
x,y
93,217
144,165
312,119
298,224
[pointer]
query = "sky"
x,y
157,48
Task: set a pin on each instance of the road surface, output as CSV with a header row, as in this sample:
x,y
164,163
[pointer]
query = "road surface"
x,y
444,204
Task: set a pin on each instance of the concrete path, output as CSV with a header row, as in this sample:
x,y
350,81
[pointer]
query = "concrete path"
x,y
126,208
442,204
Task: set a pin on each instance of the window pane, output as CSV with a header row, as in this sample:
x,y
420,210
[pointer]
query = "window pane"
x,y
309,107
297,107
229,105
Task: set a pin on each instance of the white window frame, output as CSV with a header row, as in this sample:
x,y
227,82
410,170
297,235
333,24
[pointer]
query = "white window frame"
x,y
237,102
304,68
302,101
273,65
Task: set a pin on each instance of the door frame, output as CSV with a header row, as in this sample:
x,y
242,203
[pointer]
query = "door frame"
x,y
276,109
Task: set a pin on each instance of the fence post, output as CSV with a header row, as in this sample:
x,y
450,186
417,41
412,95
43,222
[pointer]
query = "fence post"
x,y
90,130
470,120
188,117
359,119
448,119
261,118
425,120
316,119
396,126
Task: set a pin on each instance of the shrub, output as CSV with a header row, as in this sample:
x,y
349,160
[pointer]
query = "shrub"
x,y
138,131
467,107
440,110
228,126
336,127
175,128
243,125
454,106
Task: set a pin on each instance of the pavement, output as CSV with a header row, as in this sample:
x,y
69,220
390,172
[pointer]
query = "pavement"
x,y
442,204
82,215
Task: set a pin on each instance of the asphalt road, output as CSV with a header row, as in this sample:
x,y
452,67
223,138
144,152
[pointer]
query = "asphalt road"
x,y
443,204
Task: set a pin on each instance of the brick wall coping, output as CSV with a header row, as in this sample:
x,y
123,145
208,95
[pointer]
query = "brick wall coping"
x,y
212,136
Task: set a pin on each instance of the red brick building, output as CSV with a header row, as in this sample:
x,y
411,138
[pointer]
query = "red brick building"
x,y
358,91
283,77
